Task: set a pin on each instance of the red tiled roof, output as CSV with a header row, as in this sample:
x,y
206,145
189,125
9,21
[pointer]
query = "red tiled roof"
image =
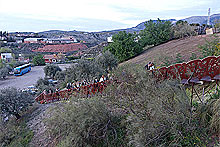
x,y
63,48
49,57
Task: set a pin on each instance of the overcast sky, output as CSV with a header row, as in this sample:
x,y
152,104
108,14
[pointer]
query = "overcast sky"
x,y
95,15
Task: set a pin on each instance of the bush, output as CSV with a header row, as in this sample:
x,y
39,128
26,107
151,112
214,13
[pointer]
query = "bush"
x,y
158,113
39,60
211,48
86,123
4,72
13,101
51,70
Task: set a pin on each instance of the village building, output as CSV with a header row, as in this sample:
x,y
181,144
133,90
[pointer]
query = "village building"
x,y
6,56
34,40
50,59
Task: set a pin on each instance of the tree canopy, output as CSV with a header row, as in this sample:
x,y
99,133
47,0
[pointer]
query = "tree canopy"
x,y
38,60
13,101
51,70
124,46
155,33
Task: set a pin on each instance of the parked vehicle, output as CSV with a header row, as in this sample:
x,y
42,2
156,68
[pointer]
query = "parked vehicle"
x,y
20,70
30,89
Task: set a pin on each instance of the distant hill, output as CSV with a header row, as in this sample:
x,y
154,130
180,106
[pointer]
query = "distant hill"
x,y
203,19
95,38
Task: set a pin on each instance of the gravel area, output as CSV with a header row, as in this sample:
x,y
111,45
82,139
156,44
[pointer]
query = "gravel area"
x,y
27,79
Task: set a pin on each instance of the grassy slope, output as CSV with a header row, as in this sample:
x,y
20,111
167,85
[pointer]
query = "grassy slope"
x,y
185,47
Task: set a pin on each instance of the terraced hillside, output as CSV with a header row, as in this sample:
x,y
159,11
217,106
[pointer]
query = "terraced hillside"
x,y
169,50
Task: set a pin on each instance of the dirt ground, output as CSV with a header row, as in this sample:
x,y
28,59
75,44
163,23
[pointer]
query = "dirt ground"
x,y
185,47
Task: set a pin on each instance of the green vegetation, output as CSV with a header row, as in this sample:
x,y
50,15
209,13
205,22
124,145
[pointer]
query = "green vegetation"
x,y
135,111
50,70
14,133
124,46
13,101
211,48
88,122
38,60
5,50
155,33
183,29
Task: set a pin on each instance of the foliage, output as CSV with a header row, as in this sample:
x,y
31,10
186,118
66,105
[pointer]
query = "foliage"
x,y
13,101
211,48
183,29
217,24
83,70
5,50
107,61
124,46
60,75
179,58
86,122
158,113
38,60
43,84
4,72
155,33
51,70
193,56
14,133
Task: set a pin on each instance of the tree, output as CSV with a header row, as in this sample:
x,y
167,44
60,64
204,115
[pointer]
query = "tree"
x,y
155,33
107,61
50,70
4,72
124,46
13,101
39,60
5,50
183,29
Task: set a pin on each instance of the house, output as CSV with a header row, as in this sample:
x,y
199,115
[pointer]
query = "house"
x,y
6,56
62,48
109,39
50,59
34,40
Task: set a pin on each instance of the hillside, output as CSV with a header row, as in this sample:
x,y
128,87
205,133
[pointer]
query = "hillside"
x,y
169,50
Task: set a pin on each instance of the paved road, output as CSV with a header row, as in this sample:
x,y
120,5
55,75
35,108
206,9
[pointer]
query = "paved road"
x,y
27,79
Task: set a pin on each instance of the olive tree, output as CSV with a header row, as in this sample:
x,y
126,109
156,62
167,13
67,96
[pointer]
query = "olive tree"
x,y
4,72
51,69
13,101
107,61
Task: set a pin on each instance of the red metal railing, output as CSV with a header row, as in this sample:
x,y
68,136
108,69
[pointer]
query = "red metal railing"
x,y
207,68
87,90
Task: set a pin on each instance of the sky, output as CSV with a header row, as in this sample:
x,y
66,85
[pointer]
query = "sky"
x,y
95,15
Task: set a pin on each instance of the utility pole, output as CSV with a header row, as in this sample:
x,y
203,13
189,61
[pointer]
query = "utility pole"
x,y
208,21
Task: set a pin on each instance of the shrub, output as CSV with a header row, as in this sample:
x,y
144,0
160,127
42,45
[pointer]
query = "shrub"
x,y
4,72
158,113
51,70
211,48
38,60
86,123
13,101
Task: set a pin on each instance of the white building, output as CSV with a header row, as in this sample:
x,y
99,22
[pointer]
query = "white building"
x,y
6,56
109,39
